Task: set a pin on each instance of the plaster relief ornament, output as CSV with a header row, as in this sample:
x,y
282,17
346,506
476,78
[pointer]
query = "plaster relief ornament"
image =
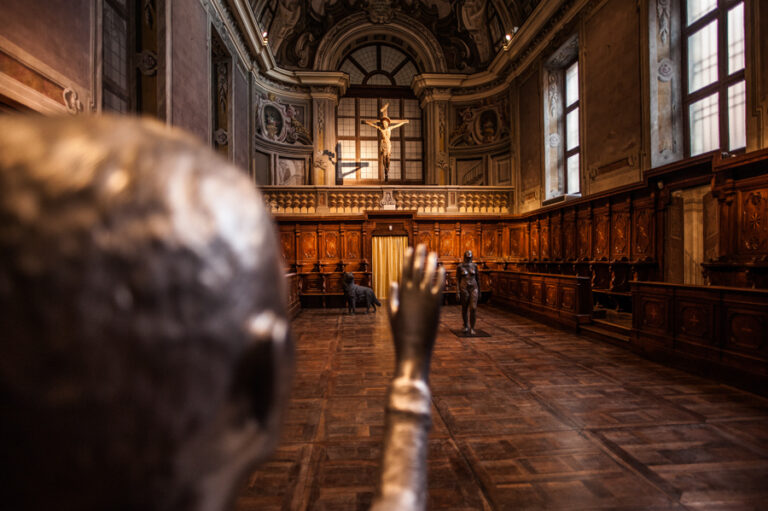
x,y
380,11
280,122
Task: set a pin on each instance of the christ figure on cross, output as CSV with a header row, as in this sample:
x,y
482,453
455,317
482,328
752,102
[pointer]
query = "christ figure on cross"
x,y
385,125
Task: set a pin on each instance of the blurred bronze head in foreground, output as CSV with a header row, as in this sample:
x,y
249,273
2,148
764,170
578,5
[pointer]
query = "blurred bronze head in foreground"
x,y
144,349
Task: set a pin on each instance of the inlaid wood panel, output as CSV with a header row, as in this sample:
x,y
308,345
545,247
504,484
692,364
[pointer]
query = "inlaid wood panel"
x,y
426,237
565,299
643,231
307,246
490,237
534,241
448,242
352,241
470,240
601,233
556,237
518,241
570,247
330,245
753,226
584,234
544,230
287,246
724,329
620,231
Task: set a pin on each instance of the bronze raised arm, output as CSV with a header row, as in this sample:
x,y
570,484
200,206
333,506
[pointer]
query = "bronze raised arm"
x,y
414,312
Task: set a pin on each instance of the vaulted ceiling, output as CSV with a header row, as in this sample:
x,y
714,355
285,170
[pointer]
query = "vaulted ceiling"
x,y
469,32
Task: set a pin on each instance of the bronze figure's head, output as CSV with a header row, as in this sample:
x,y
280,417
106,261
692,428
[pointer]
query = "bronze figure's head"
x,y
468,256
145,354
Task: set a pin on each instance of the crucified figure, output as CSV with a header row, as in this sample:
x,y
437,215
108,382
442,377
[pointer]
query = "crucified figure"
x,y
385,125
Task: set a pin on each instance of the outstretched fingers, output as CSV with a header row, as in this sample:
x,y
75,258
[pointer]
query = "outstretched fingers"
x,y
394,298
437,288
418,264
407,265
429,271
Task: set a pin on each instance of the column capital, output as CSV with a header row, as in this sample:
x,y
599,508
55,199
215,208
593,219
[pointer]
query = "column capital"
x,y
327,92
434,94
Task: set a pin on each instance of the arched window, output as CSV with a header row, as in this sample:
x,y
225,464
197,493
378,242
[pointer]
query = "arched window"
x,y
379,75
379,65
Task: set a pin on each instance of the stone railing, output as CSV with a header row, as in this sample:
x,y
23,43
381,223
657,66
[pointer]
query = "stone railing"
x,y
355,200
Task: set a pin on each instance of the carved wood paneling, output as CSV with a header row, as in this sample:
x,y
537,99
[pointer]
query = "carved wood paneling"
x,y
426,238
753,225
643,233
620,232
601,233
287,244
470,240
544,233
714,328
562,298
518,242
570,248
307,247
584,234
694,320
490,237
330,246
352,245
448,244
535,254
556,237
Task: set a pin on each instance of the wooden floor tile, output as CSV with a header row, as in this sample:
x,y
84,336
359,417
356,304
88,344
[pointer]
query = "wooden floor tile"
x,y
531,418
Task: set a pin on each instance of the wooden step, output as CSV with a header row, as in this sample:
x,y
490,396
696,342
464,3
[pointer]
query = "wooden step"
x,y
598,331
606,324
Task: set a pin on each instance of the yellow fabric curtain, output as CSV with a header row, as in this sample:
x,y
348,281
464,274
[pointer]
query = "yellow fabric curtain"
x,y
388,255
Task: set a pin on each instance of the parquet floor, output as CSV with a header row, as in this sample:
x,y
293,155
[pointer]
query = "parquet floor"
x,y
530,418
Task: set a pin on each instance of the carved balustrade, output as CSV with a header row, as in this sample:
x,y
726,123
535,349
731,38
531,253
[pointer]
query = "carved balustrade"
x,y
355,200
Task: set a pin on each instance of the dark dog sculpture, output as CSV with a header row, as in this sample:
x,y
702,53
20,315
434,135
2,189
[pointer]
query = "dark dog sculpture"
x,y
354,293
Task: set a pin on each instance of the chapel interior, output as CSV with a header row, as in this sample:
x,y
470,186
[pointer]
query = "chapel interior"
x,y
605,161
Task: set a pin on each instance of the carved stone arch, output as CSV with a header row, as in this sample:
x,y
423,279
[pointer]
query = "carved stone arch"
x,y
421,43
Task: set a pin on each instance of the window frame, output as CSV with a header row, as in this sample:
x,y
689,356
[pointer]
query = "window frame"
x,y
566,109
724,80
398,135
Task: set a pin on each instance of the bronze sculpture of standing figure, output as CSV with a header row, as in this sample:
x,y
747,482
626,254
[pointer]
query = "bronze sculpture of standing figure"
x,y
468,290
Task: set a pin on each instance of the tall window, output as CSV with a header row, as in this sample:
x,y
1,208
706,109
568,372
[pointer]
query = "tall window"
x,y
715,91
132,51
360,143
561,122
572,144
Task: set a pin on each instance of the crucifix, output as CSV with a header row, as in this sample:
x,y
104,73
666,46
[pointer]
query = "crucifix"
x,y
385,125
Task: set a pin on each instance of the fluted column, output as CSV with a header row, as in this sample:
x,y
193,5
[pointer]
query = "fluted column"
x,y
324,101
436,103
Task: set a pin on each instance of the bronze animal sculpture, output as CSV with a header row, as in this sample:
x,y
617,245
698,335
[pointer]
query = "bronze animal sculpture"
x,y
468,291
145,355
354,294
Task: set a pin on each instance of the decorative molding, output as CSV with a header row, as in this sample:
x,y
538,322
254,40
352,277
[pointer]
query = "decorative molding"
x,y
29,81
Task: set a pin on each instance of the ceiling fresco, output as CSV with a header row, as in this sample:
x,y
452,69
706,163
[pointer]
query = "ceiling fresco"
x,y
470,32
